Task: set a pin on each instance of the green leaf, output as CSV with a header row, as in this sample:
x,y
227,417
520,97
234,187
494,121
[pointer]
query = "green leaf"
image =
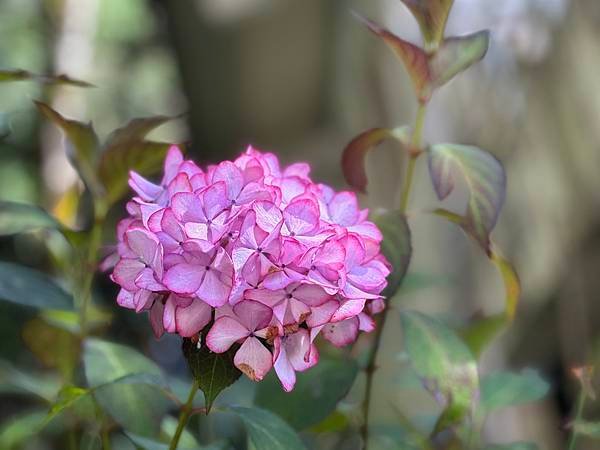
x,y
324,385
502,389
432,16
82,146
485,179
66,398
266,431
589,429
212,371
18,429
396,246
414,58
444,361
134,131
354,155
24,75
513,446
13,380
20,218
457,54
29,287
137,405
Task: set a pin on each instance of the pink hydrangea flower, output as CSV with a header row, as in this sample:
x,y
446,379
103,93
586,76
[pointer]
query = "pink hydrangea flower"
x,y
256,257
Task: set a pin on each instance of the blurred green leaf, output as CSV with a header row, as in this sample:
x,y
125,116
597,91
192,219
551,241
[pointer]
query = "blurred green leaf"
x,y
186,440
24,75
396,246
432,16
19,218
66,398
212,371
14,380
82,146
127,149
266,431
19,428
90,440
457,54
324,385
485,179
502,389
29,287
589,429
444,361
513,446
414,58
145,443
333,423
124,385
355,153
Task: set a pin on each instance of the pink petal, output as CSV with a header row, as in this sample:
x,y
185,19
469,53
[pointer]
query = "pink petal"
x,y
365,323
156,318
266,296
343,208
232,176
180,183
349,308
268,215
341,333
187,207
283,368
193,319
253,315
170,225
355,251
147,280
311,294
126,271
184,278
125,299
173,160
301,216
298,347
215,288
144,299
143,243
214,199
320,315
145,189
224,333
168,318
253,359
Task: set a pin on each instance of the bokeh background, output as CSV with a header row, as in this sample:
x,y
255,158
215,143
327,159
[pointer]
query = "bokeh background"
x,y
301,78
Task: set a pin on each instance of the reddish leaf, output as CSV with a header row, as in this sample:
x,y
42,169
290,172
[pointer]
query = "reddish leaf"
x,y
353,157
413,57
432,16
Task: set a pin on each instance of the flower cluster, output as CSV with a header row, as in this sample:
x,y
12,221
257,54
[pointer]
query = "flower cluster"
x,y
264,256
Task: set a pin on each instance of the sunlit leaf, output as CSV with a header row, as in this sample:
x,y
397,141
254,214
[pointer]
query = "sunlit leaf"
x,y
513,446
485,179
444,361
137,406
266,431
24,75
353,157
502,389
212,371
457,54
29,287
82,145
432,16
333,423
396,246
414,58
20,218
324,385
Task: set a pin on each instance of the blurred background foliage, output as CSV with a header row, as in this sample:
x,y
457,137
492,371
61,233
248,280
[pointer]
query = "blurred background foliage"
x,y
301,79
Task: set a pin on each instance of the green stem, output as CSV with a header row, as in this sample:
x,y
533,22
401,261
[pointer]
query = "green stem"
x,y
407,186
578,415
184,416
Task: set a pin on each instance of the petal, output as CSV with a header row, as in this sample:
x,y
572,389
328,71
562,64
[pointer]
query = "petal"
x,y
341,333
233,177
173,160
187,207
181,183
145,189
125,299
298,347
284,370
253,315
143,299
253,359
214,199
170,225
355,251
224,333
349,308
365,323
215,288
366,278
143,243
320,315
301,216
343,209
156,318
126,271
268,215
168,318
266,296
240,256
311,294
147,280
184,278
192,319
